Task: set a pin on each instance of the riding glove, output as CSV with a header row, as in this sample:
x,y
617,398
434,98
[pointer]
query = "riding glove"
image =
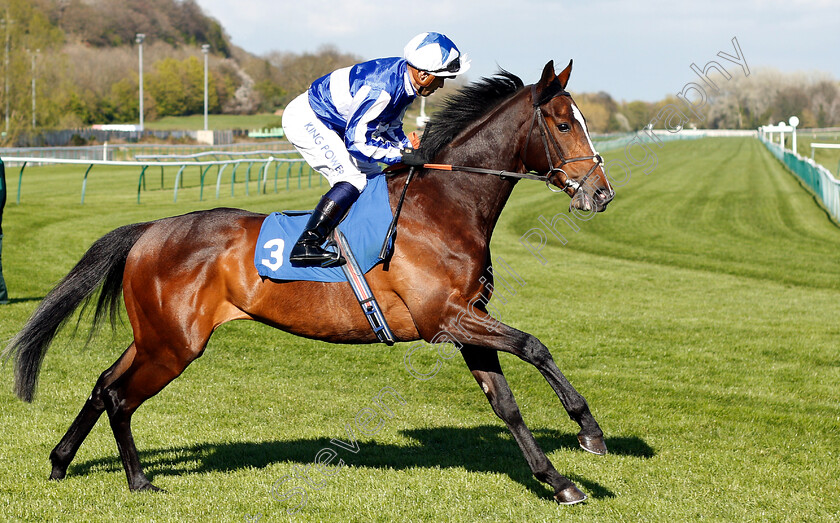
x,y
413,157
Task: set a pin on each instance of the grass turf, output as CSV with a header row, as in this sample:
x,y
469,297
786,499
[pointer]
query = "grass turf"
x,y
697,316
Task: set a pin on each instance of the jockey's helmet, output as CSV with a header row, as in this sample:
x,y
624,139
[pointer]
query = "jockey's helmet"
x,y
435,54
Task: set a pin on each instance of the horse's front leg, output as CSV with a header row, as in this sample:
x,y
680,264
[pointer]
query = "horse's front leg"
x,y
485,331
484,365
590,437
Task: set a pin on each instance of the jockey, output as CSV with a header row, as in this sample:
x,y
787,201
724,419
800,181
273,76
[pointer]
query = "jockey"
x,y
351,119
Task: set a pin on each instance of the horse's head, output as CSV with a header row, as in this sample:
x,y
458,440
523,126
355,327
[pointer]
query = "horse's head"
x,y
558,144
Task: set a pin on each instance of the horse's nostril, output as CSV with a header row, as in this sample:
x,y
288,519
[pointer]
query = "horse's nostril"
x,y
604,196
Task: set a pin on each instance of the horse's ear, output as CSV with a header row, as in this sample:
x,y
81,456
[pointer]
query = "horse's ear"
x,y
564,76
548,75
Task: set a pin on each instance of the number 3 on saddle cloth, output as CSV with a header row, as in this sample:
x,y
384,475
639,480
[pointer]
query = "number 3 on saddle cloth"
x,y
363,230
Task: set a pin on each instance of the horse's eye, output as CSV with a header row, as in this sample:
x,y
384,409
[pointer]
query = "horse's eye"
x,y
564,127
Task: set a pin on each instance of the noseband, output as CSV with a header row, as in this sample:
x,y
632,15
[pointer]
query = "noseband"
x,y
538,120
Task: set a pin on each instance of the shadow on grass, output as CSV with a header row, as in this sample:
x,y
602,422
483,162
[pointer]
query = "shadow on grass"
x,y
486,448
24,299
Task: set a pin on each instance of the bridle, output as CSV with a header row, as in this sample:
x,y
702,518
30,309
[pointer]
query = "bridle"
x,y
554,170
538,120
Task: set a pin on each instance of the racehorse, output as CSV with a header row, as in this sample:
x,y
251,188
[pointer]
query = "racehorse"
x,y
182,277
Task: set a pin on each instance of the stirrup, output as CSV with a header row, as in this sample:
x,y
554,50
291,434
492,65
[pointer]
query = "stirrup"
x,y
315,256
335,257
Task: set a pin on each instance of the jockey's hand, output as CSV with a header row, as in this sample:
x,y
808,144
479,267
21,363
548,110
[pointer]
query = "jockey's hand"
x,y
413,157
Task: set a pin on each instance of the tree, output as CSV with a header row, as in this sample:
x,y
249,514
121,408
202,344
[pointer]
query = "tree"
x,y
177,87
28,30
298,71
769,96
164,85
638,114
267,83
192,78
597,115
125,101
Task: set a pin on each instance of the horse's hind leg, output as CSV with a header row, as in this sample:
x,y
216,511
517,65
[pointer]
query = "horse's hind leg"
x,y
147,375
65,451
485,367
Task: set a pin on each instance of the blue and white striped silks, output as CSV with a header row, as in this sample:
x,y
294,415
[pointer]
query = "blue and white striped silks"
x,y
365,104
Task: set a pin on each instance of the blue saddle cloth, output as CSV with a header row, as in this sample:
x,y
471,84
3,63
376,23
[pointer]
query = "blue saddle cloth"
x,y
365,227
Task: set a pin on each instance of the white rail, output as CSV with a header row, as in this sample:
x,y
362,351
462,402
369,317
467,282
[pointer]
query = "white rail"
x,y
143,165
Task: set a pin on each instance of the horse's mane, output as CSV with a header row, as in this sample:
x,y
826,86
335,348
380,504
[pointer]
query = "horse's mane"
x,y
466,106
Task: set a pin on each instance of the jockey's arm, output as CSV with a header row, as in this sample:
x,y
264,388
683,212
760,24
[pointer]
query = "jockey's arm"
x,y
361,136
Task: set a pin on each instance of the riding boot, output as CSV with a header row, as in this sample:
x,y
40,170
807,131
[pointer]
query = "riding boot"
x,y
329,212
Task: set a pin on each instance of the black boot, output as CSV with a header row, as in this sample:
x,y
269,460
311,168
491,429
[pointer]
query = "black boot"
x,y
333,207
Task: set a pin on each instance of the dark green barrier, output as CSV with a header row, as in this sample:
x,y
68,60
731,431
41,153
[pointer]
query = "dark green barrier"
x,y
814,175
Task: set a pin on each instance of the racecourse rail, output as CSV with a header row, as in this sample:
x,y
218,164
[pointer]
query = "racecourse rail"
x,y
204,167
815,176
130,151
144,161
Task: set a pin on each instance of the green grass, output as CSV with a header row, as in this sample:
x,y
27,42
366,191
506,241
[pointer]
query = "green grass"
x,y
698,316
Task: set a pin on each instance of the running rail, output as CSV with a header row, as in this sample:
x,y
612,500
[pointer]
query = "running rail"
x,y
204,167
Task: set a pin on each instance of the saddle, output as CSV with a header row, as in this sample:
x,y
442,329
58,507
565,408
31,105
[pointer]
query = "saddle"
x,y
359,238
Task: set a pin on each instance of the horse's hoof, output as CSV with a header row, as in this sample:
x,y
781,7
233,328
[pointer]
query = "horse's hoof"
x,y
147,487
58,473
593,444
569,496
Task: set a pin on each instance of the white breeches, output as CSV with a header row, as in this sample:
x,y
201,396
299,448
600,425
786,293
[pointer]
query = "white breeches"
x,y
323,148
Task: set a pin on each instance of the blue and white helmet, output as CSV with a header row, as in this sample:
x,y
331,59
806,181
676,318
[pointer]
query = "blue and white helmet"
x,y
436,54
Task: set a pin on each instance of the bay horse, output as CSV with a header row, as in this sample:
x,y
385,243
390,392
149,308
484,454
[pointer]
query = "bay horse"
x,y
182,277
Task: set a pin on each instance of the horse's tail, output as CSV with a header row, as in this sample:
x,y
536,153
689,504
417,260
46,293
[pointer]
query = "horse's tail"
x,y
102,265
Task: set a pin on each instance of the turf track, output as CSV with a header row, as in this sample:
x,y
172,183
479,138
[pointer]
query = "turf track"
x,y
698,316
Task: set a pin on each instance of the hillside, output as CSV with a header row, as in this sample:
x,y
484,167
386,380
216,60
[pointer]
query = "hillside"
x,y
108,23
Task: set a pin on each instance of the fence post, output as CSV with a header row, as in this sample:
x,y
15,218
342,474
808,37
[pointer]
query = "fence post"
x,y
201,189
178,182
265,173
84,182
219,179
141,182
20,181
248,179
782,126
794,121
233,177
